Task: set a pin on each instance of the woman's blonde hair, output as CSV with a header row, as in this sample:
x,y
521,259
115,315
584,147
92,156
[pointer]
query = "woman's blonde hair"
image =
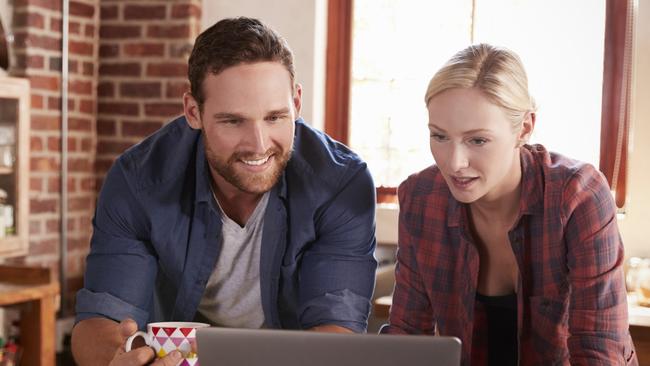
x,y
497,72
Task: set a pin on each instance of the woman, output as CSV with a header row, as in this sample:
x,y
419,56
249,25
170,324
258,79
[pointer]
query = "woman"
x,y
511,248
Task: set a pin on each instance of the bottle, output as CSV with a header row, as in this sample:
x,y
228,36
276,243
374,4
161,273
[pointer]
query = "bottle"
x,y
4,222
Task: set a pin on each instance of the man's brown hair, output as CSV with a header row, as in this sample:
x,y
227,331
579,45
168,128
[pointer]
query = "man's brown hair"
x,y
233,41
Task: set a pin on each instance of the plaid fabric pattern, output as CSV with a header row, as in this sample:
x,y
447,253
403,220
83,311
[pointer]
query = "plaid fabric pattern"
x,y
572,305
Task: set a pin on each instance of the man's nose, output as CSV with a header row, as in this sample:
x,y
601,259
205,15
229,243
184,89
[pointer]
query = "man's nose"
x,y
258,138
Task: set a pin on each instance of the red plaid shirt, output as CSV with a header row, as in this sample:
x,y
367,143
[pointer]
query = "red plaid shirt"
x,y
572,305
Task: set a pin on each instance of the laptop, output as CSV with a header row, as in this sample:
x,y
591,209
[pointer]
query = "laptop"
x,y
266,347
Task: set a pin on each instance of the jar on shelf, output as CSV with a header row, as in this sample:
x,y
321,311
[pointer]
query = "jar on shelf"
x,y
7,146
643,283
6,214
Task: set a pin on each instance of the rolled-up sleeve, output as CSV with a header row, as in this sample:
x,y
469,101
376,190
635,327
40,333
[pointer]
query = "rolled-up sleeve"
x,y
598,320
338,269
121,266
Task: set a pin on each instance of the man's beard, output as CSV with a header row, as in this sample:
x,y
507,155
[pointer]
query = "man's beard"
x,y
245,181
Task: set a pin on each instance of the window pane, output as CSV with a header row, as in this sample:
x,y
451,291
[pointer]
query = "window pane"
x,y
399,44
561,44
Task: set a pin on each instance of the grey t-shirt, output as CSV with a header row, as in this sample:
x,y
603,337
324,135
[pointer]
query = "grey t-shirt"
x,y
232,296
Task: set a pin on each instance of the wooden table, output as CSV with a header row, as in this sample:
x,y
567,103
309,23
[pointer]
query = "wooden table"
x,y
35,292
639,318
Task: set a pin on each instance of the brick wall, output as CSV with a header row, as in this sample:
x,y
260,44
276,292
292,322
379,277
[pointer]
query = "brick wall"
x,y
144,47
128,71
37,29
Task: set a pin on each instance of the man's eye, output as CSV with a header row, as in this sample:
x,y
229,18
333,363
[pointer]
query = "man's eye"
x,y
438,137
275,118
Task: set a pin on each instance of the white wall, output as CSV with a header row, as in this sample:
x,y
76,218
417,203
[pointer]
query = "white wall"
x,y
303,24
637,217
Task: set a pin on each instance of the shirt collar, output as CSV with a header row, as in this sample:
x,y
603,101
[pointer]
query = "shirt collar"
x,y
531,182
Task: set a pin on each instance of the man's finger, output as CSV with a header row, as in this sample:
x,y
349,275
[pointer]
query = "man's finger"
x,y
137,357
128,327
172,359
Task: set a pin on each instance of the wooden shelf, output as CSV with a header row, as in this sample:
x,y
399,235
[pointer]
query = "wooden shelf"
x,y
35,292
15,116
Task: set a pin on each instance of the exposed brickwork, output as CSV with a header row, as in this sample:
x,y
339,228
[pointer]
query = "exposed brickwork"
x,y
144,46
128,72
38,33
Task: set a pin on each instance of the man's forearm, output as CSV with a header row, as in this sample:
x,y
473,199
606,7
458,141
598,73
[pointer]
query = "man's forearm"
x,y
95,340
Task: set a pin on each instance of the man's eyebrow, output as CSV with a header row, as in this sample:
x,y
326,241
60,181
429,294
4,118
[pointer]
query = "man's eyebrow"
x,y
226,115
279,111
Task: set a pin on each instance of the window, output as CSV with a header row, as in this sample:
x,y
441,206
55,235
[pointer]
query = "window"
x,y
397,45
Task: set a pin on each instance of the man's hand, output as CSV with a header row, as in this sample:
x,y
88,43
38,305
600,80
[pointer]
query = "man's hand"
x,y
142,355
330,328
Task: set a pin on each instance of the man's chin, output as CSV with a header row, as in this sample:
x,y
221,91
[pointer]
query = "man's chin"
x,y
257,184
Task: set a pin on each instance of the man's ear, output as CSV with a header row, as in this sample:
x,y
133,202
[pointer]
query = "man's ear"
x,y
527,127
192,111
297,99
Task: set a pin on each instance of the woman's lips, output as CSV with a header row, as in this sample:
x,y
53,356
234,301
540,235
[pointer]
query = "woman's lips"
x,y
463,182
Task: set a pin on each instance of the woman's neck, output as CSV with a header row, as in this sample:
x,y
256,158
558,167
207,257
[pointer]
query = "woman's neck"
x,y
501,205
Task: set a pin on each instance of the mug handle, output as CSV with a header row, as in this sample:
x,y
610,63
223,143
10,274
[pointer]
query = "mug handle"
x,y
129,341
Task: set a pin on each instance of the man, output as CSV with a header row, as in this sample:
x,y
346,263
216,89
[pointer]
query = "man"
x,y
238,213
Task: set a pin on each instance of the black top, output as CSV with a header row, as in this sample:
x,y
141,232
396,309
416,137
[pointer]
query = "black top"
x,y
501,314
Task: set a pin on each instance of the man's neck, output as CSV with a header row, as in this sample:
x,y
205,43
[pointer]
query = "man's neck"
x,y
235,203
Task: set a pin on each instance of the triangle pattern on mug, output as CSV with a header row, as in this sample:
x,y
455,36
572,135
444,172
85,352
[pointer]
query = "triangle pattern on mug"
x,y
178,340
190,362
186,331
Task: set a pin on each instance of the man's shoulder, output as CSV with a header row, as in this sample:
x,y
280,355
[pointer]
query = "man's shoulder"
x,y
164,155
317,156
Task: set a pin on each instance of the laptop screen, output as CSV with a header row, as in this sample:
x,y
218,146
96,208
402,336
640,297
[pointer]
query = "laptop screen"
x,y
264,347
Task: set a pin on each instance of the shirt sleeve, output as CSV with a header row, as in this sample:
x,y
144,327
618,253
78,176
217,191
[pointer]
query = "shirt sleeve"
x,y
121,266
410,312
598,321
338,269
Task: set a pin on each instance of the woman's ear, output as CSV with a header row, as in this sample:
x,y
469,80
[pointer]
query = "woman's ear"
x,y
192,111
527,127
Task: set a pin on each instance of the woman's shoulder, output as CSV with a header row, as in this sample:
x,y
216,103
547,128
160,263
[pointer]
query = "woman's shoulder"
x,y
557,167
564,177
423,190
427,181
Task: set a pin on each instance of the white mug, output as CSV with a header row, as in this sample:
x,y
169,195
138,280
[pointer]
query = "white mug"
x,y
165,337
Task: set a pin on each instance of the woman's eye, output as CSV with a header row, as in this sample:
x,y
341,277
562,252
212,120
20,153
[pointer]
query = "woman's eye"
x,y
438,137
478,141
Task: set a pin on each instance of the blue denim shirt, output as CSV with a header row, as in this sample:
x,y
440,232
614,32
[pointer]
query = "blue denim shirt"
x,y
156,229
